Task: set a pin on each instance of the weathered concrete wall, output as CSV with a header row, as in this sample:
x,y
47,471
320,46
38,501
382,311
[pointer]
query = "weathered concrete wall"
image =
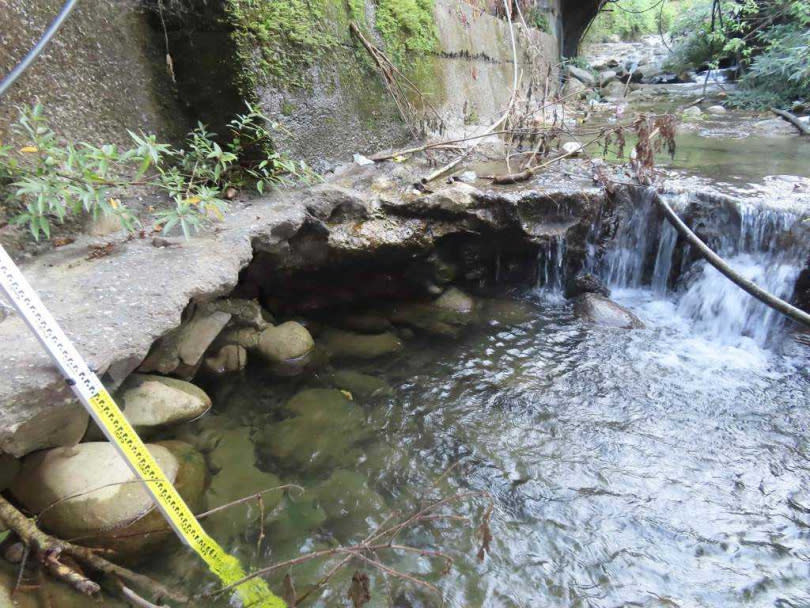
x,y
344,107
103,73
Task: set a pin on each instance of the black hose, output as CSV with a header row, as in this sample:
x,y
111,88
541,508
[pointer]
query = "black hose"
x,y
34,52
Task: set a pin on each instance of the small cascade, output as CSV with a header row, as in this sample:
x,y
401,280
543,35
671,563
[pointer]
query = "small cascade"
x,y
725,312
645,253
624,261
551,264
663,259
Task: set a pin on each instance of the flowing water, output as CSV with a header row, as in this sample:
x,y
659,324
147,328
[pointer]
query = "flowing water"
x,y
665,466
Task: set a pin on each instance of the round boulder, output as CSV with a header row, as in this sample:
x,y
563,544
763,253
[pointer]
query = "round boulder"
x,y
288,347
152,402
94,496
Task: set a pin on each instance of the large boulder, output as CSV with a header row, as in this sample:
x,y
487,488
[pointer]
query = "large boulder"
x,y
575,89
152,402
585,283
288,347
606,77
180,352
345,344
87,492
599,310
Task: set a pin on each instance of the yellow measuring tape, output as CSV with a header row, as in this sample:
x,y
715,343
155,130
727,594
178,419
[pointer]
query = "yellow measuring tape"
x,y
88,388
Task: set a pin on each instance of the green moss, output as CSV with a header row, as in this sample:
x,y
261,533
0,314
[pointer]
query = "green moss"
x,y
407,25
280,39
287,108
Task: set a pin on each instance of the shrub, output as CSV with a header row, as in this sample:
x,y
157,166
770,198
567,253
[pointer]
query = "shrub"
x,y
48,180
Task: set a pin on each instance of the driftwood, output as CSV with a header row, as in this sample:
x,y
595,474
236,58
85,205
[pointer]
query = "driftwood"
x,y
792,119
715,260
49,549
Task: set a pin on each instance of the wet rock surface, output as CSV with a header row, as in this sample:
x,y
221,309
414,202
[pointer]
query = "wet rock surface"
x,y
599,310
98,503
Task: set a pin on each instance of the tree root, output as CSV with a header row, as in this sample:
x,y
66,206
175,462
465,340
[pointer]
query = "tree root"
x,y
48,550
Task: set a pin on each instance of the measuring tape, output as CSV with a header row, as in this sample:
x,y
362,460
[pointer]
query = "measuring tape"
x,y
88,388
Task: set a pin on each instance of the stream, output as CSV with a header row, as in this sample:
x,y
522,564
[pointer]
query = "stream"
x,y
664,466
667,466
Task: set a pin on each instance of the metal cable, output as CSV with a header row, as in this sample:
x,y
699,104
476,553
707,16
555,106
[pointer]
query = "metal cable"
x,y
40,46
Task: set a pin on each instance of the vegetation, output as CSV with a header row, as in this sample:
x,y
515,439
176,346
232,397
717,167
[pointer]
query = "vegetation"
x,y
279,40
48,180
631,19
407,25
769,41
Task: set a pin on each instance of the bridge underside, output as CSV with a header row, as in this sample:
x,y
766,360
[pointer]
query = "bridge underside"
x,y
576,15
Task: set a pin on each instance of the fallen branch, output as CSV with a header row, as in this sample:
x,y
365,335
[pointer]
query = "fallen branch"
x,y
526,174
792,119
47,545
715,260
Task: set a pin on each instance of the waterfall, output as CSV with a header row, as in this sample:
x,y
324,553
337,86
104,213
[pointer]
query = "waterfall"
x,y
724,311
625,258
551,264
759,251
663,258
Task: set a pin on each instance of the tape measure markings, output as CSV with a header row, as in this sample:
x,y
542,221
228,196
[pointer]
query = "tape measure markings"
x,y
108,416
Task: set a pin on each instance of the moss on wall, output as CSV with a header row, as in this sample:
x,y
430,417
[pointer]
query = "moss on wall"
x,y
279,40
407,25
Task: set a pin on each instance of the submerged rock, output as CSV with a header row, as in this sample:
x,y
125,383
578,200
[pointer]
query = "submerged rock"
x,y
507,312
298,516
456,301
323,435
98,499
348,502
360,385
230,358
151,402
599,310
366,323
288,347
346,344
234,476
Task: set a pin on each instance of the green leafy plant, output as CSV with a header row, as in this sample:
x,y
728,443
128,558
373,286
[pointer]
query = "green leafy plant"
x,y
49,180
769,42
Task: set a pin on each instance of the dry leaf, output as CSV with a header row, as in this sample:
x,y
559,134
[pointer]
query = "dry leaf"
x,y
359,592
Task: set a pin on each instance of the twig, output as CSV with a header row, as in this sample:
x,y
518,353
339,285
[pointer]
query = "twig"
x,y
136,599
526,174
28,532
